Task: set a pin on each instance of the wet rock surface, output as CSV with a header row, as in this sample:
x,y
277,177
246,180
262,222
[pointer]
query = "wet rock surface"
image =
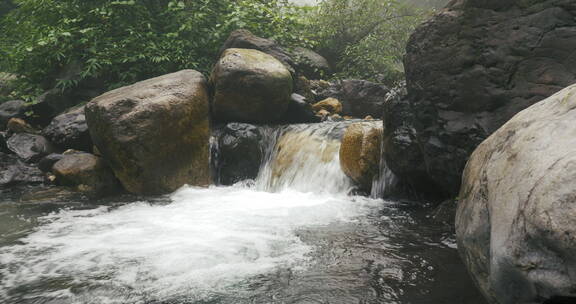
x,y
240,153
155,133
360,153
471,68
516,221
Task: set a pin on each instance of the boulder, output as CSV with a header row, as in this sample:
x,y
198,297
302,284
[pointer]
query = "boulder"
x,y
70,131
18,125
359,98
13,172
250,86
155,133
87,173
516,218
360,153
48,161
239,153
300,111
244,39
10,109
331,105
299,61
468,70
29,147
311,64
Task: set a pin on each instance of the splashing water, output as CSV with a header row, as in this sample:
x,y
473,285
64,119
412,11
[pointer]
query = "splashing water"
x,y
250,243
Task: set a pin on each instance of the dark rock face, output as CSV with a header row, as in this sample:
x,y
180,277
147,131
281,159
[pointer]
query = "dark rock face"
x,y
359,98
155,134
515,222
300,111
239,154
87,172
470,69
3,144
311,64
13,172
250,86
29,147
46,163
10,109
70,131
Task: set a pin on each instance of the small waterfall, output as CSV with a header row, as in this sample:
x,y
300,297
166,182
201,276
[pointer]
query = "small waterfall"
x,y
305,157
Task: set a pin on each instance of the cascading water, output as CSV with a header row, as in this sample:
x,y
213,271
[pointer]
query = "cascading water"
x,y
294,235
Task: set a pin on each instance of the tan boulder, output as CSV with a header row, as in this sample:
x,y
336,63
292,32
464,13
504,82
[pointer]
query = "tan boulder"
x,y
155,134
360,153
87,173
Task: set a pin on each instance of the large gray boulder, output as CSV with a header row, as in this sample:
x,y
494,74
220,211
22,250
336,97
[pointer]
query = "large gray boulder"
x,y
30,147
250,86
469,69
14,171
516,219
155,133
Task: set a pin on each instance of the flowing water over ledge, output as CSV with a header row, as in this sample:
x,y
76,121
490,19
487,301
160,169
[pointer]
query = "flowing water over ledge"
x,y
292,236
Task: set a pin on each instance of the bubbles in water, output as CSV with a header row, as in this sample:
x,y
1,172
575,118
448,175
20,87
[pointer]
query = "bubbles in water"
x,y
204,242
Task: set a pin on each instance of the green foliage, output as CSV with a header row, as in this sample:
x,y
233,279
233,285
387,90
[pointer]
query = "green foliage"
x,y
121,42
365,38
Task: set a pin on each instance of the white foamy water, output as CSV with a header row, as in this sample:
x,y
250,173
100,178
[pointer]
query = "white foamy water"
x,y
203,243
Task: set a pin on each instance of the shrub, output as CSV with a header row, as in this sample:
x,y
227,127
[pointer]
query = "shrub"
x,y
121,42
364,38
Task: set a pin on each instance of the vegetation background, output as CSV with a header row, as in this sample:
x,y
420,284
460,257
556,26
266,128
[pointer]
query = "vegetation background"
x,y
64,43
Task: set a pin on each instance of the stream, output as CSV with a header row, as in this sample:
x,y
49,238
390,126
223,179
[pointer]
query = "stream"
x,y
295,234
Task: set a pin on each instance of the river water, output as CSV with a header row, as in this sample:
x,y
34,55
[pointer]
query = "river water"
x,y
294,235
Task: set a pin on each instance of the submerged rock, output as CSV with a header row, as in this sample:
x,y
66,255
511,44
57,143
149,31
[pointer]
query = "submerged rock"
x,y
87,173
155,133
70,131
360,153
239,154
250,86
516,219
471,68
13,172
29,147
10,109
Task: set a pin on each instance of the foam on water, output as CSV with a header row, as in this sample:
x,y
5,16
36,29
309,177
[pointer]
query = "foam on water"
x,y
202,243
